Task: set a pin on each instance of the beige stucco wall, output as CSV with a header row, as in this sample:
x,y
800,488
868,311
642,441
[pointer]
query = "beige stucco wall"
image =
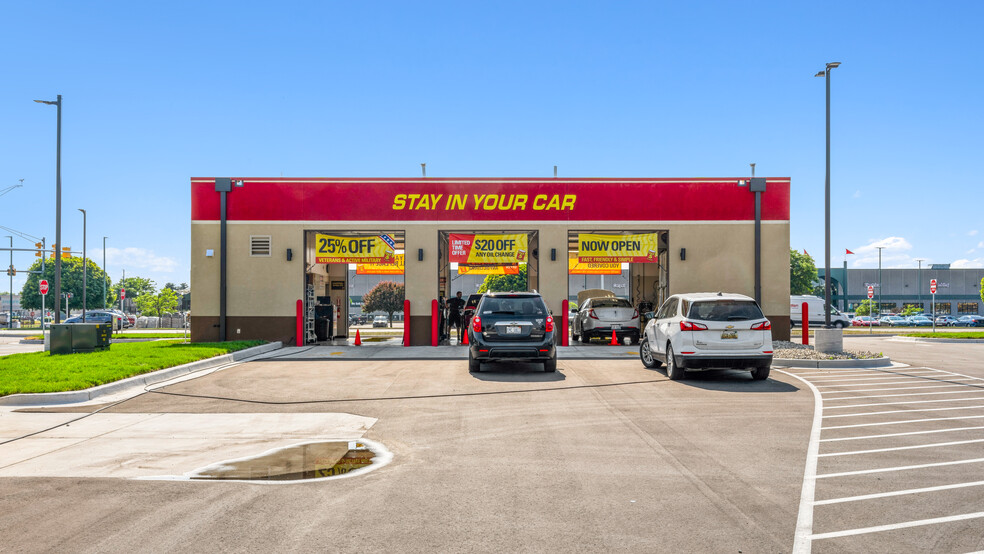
x,y
720,256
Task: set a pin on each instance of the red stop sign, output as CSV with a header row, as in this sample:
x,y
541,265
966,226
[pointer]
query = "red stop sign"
x,y
122,293
43,286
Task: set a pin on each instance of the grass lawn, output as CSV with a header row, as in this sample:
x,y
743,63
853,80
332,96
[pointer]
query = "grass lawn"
x,y
951,335
42,372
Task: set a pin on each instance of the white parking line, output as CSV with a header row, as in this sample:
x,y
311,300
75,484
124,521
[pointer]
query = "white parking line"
x,y
855,452
878,378
893,526
898,468
928,432
896,493
904,388
906,411
901,403
804,518
941,380
973,390
902,422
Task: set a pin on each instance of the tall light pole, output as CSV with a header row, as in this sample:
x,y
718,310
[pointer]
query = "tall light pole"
x,y
826,277
84,272
58,241
919,279
880,248
10,271
104,272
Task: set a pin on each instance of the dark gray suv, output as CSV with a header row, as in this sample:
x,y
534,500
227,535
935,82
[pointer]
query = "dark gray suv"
x,y
512,327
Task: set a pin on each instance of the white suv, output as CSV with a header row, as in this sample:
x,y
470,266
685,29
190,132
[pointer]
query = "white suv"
x,y
708,330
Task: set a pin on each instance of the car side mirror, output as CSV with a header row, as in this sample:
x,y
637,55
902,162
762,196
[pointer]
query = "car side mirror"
x,y
650,315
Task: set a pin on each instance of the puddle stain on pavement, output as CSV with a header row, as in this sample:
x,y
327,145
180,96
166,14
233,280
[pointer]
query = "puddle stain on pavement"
x,y
308,461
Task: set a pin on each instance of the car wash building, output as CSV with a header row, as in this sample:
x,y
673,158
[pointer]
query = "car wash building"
x,y
270,257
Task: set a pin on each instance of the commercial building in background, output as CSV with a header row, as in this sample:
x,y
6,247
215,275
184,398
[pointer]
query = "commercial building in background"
x,y
266,249
957,290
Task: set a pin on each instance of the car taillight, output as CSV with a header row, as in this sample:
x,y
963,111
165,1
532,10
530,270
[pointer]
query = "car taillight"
x,y
591,314
477,324
764,326
692,326
549,328
635,314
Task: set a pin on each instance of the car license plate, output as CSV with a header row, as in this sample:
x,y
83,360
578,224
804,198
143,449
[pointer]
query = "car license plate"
x,y
513,330
616,327
729,335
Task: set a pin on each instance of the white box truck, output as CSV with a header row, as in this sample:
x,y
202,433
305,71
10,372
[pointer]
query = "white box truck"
x,y
816,312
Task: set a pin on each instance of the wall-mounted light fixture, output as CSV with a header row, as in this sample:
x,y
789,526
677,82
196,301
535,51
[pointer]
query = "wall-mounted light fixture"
x,y
209,252
683,253
290,254
420,254
553,254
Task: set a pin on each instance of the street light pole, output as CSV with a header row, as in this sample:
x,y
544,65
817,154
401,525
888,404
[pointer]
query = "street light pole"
x,y
10,271
84,272
104,272
826,277
58,241
880,248
919,289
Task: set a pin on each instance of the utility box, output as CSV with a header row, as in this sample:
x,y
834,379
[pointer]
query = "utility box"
x,y
80,337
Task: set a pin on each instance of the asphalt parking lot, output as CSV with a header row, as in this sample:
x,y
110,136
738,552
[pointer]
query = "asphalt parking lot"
x,y
603,455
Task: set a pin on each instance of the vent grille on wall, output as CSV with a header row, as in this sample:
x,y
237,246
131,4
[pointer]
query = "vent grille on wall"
x,y
259,245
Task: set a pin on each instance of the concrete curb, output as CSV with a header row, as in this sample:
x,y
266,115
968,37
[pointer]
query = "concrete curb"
x,y
827,364
137,381
941,339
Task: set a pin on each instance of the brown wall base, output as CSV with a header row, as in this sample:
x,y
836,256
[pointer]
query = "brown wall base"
x,y
420,330
780,326
284,329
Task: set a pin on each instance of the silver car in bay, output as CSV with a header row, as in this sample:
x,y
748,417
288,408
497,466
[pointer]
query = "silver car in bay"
x,y
600,313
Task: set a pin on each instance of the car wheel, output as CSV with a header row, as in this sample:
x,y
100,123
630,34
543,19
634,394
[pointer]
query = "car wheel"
x,y
550,365
839,324
474,366
634,339
585,338
575,337
761,373
646,355
673,371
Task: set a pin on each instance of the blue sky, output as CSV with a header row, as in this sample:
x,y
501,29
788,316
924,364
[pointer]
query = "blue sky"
x,y
155,93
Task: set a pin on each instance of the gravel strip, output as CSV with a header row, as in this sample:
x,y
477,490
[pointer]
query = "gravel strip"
x,y
795,351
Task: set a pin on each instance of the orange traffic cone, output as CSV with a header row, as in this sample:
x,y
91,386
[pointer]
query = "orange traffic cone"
x,y
614,340
358,339
465,339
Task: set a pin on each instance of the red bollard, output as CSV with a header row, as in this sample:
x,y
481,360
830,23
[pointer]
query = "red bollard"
x,y
406,323
434,319
300,323
806,323
565,323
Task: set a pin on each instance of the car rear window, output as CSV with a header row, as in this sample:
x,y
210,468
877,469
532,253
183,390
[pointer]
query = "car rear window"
x,y
725,310
610,303
513,305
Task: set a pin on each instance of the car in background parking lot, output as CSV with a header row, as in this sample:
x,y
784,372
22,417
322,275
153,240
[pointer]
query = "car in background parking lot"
x,y
945,320
892,320
969,321
920,321
865,321
96,317
380,321
708,330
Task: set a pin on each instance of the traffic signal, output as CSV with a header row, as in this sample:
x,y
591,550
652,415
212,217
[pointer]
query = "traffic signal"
x,y
40,247
67,252
11,271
